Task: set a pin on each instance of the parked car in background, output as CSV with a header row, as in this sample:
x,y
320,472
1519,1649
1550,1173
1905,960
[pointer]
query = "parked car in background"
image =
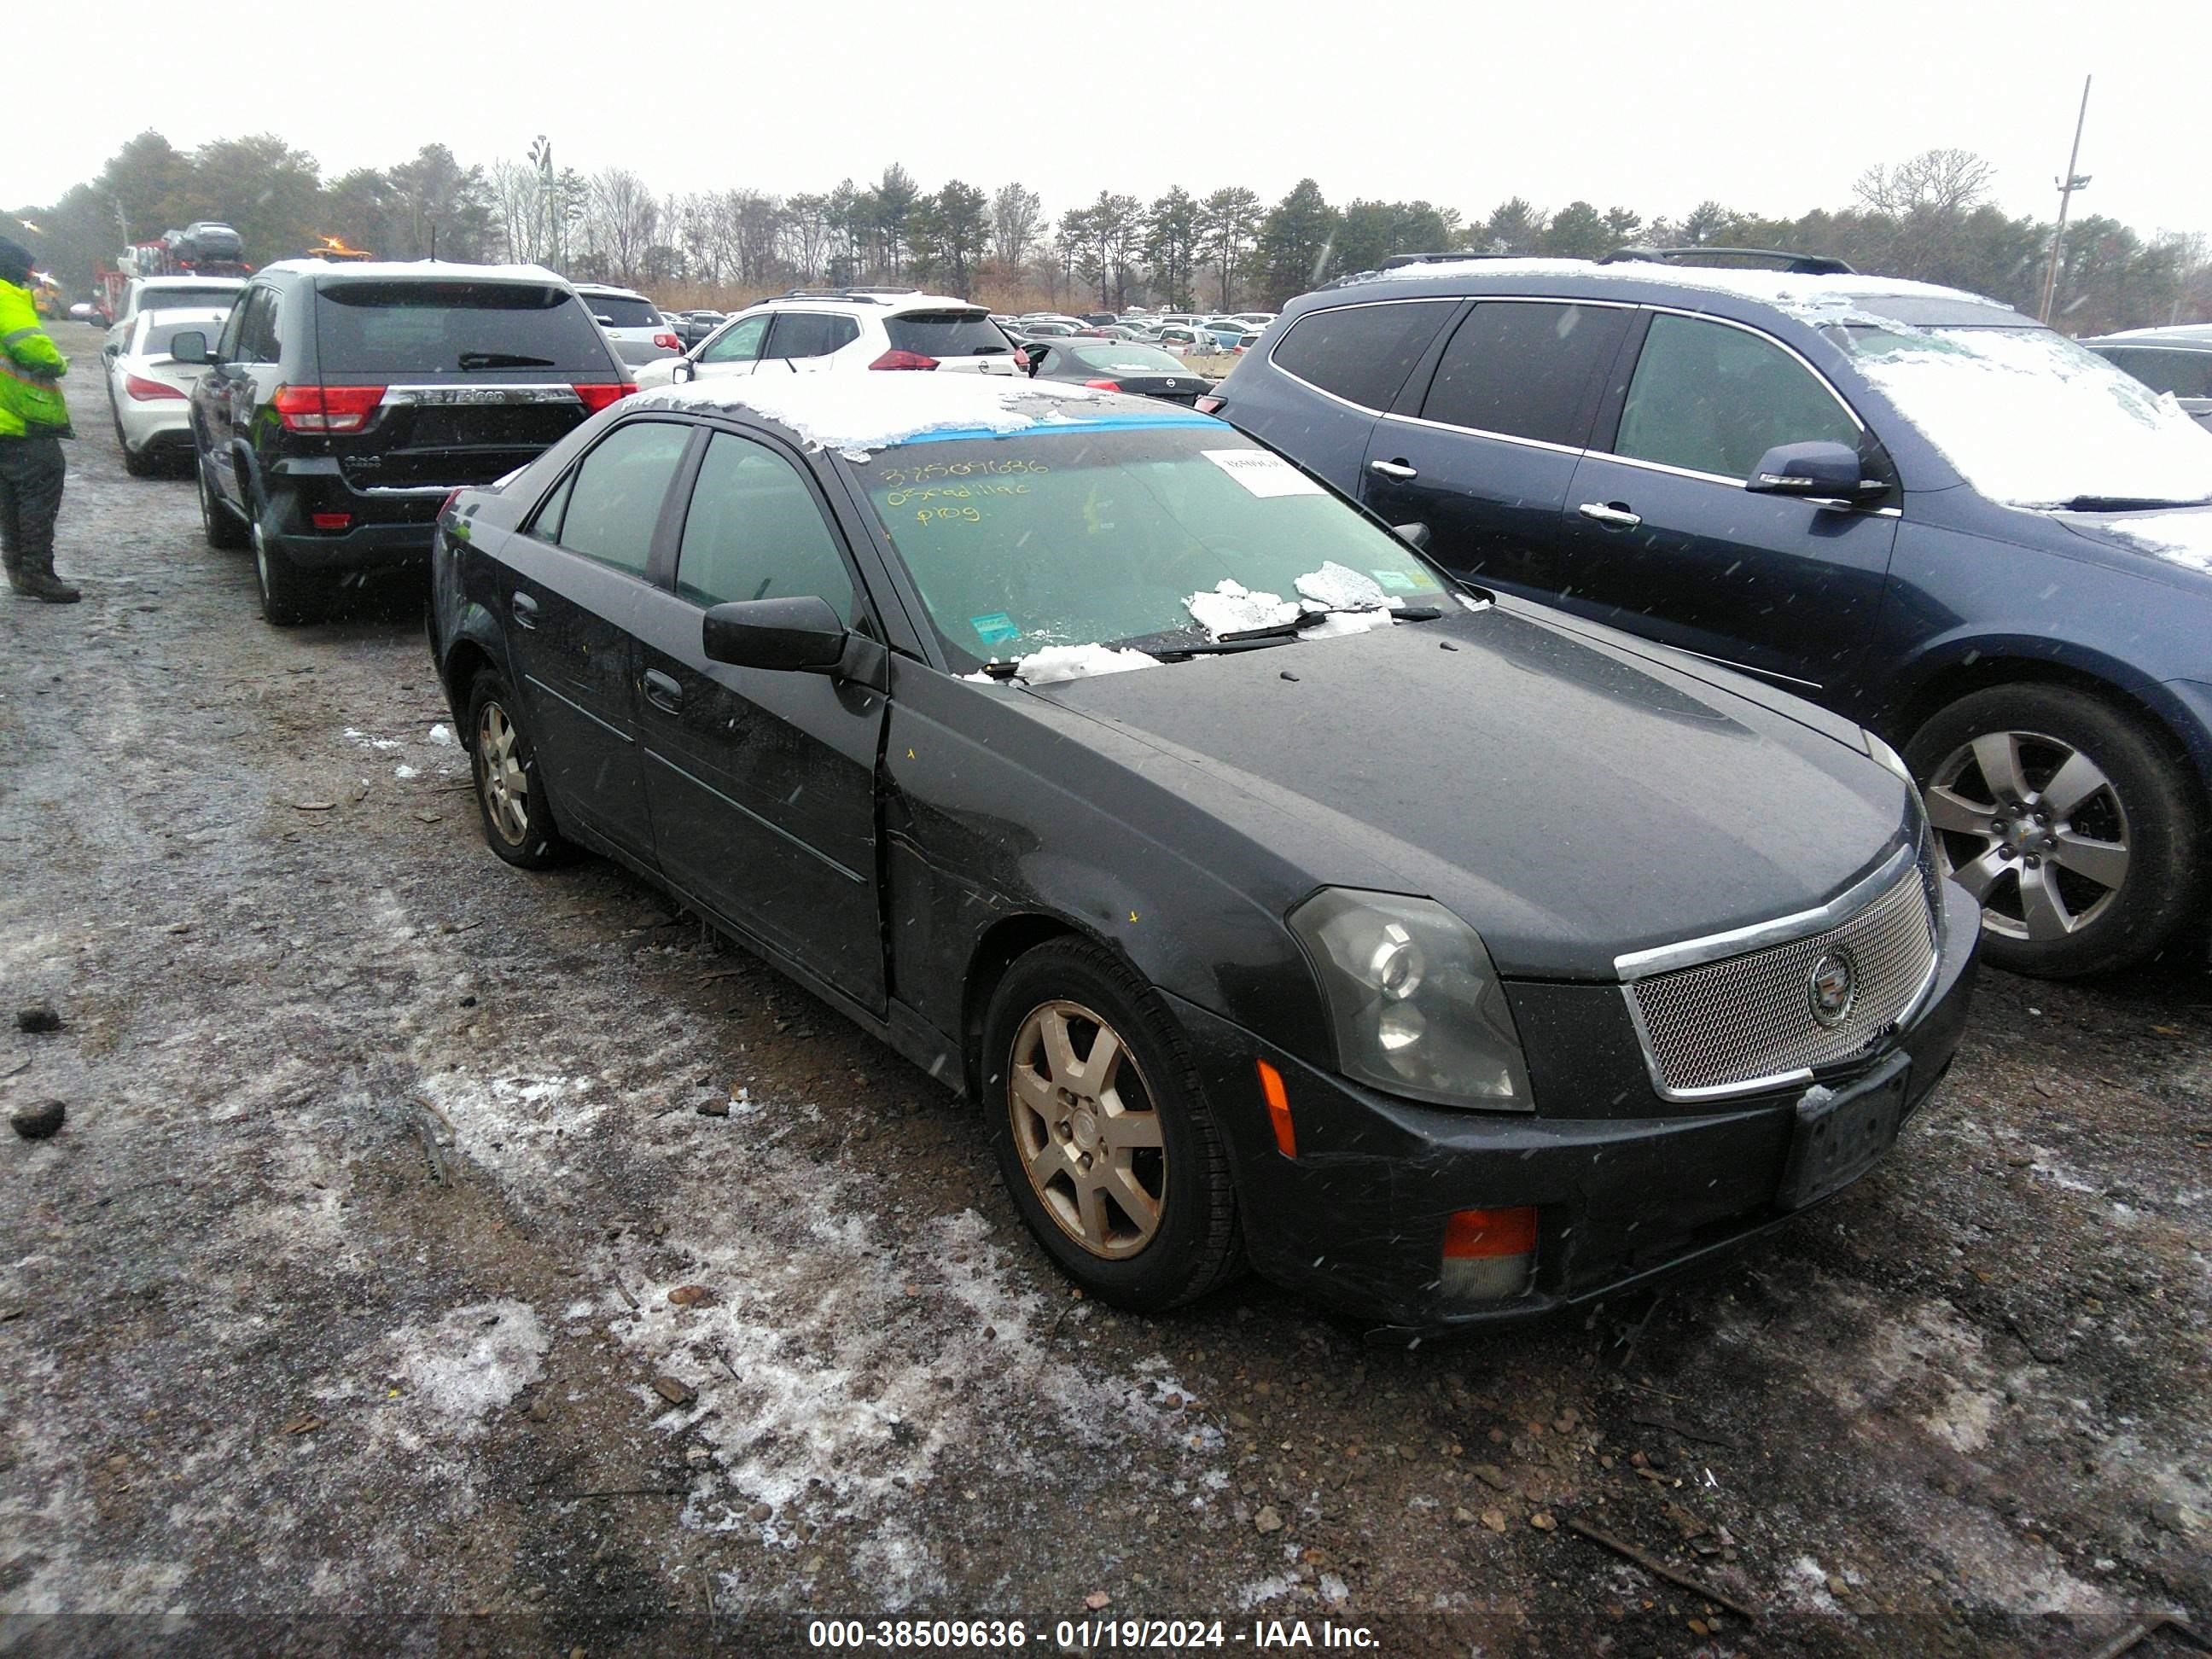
x,y
1183,338
1909,502
1118,366
1099,318
812,330
1453,986
172,293
641,334
2172,360
84,311
1038,318
1048,328
150,392
342,404
1256,318
693,327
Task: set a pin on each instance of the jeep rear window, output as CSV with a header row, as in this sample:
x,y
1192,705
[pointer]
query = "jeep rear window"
x,y
1362,353
623,313
946,334
418,328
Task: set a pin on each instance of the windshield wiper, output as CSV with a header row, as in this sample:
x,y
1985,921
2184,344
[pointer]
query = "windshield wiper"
x,y
2123,504
1167,646
503,359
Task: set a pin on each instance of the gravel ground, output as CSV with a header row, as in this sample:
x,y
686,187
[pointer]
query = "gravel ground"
x,y
389,1286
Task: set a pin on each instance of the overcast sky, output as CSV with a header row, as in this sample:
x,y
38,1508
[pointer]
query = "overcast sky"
x,y
1766,107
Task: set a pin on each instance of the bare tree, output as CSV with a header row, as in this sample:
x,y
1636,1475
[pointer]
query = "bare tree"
x,y
620,220
1016,219
1950,182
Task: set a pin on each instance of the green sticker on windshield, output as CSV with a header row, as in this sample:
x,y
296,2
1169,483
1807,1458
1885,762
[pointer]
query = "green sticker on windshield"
x,y
994,629
1399,581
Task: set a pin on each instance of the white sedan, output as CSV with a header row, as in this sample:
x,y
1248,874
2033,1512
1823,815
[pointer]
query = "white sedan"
x,y
150,391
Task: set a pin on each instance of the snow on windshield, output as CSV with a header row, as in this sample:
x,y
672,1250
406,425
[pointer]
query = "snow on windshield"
x,y
1072,662
2183,538
2031,420
1232,608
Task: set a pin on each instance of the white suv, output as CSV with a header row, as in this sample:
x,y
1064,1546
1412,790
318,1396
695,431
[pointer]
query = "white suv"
x,y
810,331
639,333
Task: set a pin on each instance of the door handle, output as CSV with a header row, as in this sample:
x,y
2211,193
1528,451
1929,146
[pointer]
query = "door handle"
x,y
1613,518
663,692
1395,469
525,609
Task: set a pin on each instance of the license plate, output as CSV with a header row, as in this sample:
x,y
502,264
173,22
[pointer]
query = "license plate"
x,y
1841,1133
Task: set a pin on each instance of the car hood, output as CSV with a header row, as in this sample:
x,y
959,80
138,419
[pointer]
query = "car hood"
x,y
1571,800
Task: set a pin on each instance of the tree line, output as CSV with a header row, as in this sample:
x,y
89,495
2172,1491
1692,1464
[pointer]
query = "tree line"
x,y
1928,217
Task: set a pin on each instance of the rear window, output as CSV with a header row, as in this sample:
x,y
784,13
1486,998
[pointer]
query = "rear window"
x,y
415,327
947,334
186,299
1362,353
623,313
2184,374
159,335
1129,359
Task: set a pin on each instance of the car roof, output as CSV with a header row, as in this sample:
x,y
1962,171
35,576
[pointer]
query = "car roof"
x,y
1817,300
852,413
2190,336
440,270
183,313
156,283
608,287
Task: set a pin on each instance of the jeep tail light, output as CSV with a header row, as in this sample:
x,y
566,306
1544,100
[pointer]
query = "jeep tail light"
x,y
1210,405
146,391
1103,385
326,407
1487,1255
597,396
898,359
668,342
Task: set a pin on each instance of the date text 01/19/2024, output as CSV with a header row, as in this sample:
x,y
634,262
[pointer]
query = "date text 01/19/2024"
x,y
985,1637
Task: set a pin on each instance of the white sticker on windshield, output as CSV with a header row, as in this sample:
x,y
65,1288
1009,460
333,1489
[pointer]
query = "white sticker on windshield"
x,y
1261,473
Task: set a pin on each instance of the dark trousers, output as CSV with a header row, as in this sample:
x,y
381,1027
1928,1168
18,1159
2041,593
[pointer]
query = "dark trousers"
x,y
31,473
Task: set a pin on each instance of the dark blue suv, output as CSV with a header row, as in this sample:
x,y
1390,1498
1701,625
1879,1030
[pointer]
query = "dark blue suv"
x,y
1909,503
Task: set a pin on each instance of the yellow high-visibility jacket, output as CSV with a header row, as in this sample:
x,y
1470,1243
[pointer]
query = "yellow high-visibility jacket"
x,y
31,405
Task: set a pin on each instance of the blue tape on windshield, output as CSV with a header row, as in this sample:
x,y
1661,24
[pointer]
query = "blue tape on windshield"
x,y
1070,428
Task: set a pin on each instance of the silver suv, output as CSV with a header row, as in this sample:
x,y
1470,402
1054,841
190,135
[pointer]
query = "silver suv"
x,y
639,333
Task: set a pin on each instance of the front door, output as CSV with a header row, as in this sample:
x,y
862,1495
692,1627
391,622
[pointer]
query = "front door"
x,y
1662,538
763,781
577,589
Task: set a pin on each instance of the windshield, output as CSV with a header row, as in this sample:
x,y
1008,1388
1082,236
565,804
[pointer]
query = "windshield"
x,y
422,327
1091,536
2030,419
1130,359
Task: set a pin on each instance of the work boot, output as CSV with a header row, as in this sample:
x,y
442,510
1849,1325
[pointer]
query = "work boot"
x,y
37,581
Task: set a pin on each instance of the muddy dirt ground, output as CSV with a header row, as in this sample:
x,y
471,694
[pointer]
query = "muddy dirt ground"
x,y
354,1307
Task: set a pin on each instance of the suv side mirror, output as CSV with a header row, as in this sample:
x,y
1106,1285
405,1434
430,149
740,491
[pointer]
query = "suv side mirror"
x,y
681,370
804,634
1818,471
189,346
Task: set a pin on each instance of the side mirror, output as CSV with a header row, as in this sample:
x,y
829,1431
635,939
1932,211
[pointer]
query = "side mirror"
x,y
1414,535
802,633
189,347
681,370
1819,471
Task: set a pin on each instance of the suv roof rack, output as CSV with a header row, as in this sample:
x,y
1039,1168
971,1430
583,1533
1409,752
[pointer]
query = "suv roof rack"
x,y
1797,265
873,296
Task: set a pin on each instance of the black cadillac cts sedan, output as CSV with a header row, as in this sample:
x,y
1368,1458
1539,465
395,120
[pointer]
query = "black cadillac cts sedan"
x,y
1278,899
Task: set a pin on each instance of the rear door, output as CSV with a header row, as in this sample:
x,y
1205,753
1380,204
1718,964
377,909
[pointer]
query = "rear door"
x,y
1482,448
473,378
799,340
575,587
1661,538
762,783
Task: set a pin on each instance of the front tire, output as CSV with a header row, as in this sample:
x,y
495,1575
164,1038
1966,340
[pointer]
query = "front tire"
x,y
2066,819
1103,1132
518,819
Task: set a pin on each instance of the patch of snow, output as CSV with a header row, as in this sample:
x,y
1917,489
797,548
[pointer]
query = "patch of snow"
x,y
403,771
1233,608
1338,623
862,412
473,1361
2184,538
442,735
1340,588
1074,662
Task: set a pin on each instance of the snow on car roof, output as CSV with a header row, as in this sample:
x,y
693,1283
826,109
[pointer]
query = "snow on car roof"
x,y
864,412
1826,299
386,269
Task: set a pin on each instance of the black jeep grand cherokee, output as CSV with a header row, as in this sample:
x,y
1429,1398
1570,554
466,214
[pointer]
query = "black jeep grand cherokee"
x,y
345,402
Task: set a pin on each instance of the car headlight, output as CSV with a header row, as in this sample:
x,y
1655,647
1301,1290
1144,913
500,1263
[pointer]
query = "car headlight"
x,y
1416,1005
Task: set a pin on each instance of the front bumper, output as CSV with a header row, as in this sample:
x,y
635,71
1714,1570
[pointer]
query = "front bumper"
x,y
1357,1220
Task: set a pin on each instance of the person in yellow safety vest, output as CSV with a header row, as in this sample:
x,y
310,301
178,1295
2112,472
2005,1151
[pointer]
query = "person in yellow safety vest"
x,y
33,420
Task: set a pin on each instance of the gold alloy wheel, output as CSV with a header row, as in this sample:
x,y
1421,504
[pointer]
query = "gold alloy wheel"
x,y
1086,1129
500,777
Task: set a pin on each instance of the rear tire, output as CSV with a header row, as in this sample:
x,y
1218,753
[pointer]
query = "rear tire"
x,y
2071,823
289,595
223,528
1115,1165
510,789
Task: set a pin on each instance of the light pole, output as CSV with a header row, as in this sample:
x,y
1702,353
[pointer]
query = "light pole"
x,y
2072,182
549,223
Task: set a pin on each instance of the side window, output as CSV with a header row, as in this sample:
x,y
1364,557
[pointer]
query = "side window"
x,y
1526,370
754,531
808,334
739,343
257,340
226,347
615,503
1712,399
1362,353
